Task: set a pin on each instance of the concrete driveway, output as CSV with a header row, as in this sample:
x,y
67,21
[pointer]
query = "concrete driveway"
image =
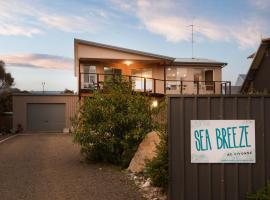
x,y
49,166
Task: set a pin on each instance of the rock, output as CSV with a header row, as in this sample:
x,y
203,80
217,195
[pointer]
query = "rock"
x,y
146,151
147,183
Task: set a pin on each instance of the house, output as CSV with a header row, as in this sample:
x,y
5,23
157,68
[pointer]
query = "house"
x,y
240,80
150,73
257,79
235,89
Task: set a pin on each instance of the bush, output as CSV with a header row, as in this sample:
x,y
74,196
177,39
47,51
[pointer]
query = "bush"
x,y
157,169
111,124
261,194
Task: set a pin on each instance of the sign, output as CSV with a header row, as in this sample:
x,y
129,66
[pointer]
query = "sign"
x,y
223,141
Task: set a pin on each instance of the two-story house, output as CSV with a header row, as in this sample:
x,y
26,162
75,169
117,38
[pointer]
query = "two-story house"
x,y
151,73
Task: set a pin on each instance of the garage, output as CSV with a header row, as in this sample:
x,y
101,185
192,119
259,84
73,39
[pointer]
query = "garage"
x,y
46,117
44,112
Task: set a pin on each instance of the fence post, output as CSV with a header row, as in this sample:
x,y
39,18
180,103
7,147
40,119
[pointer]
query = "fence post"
x,y
230,88
144,84
154,86
181,87
98,81
198,87
80,84
164,86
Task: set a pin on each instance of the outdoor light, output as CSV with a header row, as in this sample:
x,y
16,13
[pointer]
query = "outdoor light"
x,y
128,62
155,103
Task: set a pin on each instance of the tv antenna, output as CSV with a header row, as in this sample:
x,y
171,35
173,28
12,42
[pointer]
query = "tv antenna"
x,y
43,86
192,38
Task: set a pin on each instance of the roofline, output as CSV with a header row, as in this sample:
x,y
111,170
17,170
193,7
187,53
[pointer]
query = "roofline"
x,y
214,64
79,41
264,42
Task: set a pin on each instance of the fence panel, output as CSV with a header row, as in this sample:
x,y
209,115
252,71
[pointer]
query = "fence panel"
x,y
216,181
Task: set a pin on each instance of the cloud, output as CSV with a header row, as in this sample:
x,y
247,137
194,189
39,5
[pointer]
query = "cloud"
x,y
43,61
171,19
28,18
261,4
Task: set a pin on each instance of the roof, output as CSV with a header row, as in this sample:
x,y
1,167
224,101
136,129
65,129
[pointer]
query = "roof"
x,y
45,93
79,41
198,61
175,61
255,65
240,80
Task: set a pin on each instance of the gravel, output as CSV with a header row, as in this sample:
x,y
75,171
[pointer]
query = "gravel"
x,y
49,166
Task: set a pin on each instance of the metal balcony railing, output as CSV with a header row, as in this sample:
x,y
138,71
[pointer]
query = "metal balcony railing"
x,y
89,82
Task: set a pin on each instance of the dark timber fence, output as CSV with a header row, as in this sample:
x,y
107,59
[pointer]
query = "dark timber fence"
x,y
216,181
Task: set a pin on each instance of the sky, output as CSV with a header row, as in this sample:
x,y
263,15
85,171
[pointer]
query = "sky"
x,y
37,36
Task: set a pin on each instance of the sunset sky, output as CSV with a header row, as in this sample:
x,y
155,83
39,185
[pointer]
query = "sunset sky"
x,y
36,36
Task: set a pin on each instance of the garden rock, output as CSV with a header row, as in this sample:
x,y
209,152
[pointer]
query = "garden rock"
x,y
146,151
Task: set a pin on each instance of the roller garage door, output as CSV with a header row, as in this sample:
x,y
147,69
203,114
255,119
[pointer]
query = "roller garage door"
x,y
45,117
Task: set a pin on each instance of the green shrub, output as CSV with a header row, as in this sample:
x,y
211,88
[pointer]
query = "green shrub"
x,y
111,124
158,168
261,194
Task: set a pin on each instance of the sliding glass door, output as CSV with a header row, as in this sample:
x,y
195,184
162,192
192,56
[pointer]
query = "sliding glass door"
x,y
139,76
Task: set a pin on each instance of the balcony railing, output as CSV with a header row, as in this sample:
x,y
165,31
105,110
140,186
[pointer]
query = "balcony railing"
x,y
89,82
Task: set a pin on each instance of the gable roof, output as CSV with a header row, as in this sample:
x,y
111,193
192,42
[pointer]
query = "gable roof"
x,y
126,50
256,63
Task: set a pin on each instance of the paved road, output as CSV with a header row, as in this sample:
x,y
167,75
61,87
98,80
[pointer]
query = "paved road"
x,y
49,166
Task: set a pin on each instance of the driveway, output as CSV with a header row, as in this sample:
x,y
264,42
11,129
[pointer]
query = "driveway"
x,y
49,166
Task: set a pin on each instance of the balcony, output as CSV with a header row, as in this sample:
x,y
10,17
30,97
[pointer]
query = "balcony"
x,y
90,82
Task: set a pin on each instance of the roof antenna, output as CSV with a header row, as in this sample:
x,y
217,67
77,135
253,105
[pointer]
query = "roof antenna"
x,y
43,87
192,38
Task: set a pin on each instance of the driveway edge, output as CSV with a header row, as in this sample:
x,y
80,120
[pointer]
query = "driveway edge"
x,y
10,137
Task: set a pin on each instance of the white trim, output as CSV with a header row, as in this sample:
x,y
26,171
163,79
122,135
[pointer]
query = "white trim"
x,y
10,137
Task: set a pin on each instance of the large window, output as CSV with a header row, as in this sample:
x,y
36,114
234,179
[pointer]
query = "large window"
x,y
140,75
89,76
174,76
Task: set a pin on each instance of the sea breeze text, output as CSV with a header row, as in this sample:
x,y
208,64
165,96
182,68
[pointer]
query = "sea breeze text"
x,y
225,138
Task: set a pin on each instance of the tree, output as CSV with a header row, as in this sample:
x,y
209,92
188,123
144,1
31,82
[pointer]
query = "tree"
x,y
112,123
6,80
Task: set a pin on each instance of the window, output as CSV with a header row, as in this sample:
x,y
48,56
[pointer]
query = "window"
x,y
109,71
174,76
89,78
139,79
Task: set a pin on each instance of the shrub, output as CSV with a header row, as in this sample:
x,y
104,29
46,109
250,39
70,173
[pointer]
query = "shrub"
x,y
111,124
158,168
261,194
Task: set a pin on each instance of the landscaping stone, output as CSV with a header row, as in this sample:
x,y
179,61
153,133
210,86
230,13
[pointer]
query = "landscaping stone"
x,y
148,192
146,151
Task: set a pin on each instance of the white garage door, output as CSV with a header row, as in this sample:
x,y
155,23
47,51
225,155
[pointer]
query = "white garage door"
x,y
45,117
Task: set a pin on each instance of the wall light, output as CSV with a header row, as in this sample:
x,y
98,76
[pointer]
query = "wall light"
x,y
128,62
154,103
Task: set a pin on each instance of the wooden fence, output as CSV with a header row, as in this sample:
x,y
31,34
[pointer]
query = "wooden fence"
x,y
216,181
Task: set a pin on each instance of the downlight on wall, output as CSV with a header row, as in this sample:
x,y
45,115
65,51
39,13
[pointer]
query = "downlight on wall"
x,y
128,62
154,103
